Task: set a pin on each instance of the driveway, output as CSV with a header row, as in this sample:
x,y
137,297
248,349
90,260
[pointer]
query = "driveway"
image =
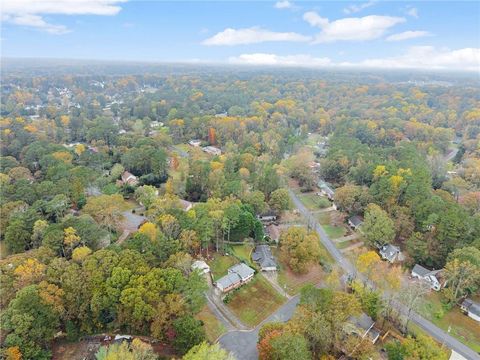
x,y
243,343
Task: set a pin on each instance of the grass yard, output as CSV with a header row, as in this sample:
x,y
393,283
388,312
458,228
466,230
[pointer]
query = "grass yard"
x,y
332,231
213,328
243,252
255,301
461,326
314,202
292,283
220,265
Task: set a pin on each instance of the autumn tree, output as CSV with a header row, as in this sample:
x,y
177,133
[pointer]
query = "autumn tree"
x,y
280,200
299,248
205,351
106,210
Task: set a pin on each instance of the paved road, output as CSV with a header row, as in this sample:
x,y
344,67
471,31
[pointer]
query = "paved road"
x,y
451,155
345,264
243,344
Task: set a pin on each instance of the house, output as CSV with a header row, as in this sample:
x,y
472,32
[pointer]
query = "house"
x,y
244,271
391,253
355,222
267,217
432,277
262,255
129,178
314,166
195,143
212,150
237,275
201,266
326,190
363,326
185,205
228,282
273,232
471,308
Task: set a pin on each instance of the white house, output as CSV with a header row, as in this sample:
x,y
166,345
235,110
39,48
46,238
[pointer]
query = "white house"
x,y
432,277
471,308
195,143
201,266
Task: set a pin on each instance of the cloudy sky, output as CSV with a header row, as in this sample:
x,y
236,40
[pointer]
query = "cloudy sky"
x,y
384,34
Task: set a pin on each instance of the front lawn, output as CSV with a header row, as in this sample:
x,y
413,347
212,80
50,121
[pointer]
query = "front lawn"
x,y
255,301
461,326
220,265
314,202
213,328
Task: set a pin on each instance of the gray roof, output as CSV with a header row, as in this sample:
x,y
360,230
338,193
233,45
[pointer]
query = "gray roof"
x,y
242,270
325,187
390,251
263,256
228,280
363,321
420,270
356,220
472,306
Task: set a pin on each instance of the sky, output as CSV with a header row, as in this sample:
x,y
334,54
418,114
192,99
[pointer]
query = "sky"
x,y
373,34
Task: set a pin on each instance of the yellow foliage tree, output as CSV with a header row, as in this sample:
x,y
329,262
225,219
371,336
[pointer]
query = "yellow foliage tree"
x,y
150,230
29,272
80,253
13,353
79,149
64,156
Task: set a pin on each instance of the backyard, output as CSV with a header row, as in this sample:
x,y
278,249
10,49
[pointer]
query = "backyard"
x,y
242,252
255,301
313,202
220,264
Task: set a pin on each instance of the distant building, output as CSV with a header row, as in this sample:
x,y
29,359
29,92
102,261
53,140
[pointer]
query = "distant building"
x,y
201,266
432,277
195,143
363,326
326,190
129,178
212,150
267,217
262,255
471,308
186,205
221,115
355,222
391,253
237,276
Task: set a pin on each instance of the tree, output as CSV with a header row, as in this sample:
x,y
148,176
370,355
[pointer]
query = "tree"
x,y
280,200
367,263
462,275
378,228
412,295
30,324
290,346
299,248
188,333
17,236
146,195
150,230
106,209
205,351
423,347
137,350
351,198
80,253
39,228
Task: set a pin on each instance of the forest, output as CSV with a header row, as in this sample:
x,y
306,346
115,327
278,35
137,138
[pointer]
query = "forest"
x,y
402,152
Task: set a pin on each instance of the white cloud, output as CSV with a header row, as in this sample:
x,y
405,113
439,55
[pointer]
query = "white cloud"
x,y
29,12
283,4
413,12
278,60
408,35
428,57
351,29
314,19
356,8
252,35
417,57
